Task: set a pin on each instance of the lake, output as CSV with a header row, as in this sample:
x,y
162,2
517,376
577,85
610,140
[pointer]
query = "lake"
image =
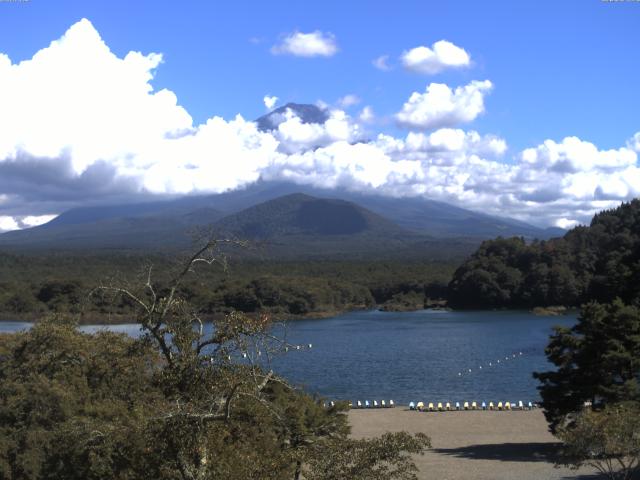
x,y
411,356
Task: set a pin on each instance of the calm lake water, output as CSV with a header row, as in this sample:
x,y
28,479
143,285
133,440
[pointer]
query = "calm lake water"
x,y
412,356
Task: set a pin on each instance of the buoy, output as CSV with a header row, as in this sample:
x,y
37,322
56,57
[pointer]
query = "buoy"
x,y
459,374
480,367
469,370
310,345
490,364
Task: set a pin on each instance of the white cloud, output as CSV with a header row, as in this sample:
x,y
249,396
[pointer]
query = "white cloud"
x,y
366,115
313,44
270,101
574,155
440,56
8,223
35,220
440,106
83,126
382,63
566,223
296,136
634,142
348,100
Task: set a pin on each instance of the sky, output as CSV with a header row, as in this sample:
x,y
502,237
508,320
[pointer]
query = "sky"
x,y
521,109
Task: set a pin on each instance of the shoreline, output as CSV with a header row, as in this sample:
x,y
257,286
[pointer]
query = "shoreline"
x,y
474,445
94,319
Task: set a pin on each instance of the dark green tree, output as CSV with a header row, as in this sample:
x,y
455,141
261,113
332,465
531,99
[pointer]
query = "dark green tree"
x,y
597,360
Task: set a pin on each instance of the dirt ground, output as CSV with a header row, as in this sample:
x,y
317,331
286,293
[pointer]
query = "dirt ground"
x,y
474,445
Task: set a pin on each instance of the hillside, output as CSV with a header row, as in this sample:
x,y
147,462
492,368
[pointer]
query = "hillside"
x,y
168,224
598,262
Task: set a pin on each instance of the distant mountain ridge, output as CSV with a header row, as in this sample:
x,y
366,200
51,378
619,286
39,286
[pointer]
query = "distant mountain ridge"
x,y
308,113
275,211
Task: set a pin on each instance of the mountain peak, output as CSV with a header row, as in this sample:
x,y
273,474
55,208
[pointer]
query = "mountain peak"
x,y
307,113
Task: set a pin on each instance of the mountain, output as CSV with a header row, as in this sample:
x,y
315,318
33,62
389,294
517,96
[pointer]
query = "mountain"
x,y
158,225
306,112
251,212
300,214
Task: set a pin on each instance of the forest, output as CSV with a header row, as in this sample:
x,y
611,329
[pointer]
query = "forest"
x,y
35,284
597,262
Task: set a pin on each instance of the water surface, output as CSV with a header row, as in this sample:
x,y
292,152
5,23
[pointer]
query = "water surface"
x,y
412,355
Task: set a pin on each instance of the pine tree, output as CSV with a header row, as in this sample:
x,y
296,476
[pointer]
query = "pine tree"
x,y
598,361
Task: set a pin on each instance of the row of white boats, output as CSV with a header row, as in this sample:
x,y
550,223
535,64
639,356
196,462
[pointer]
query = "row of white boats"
x,y
444,407
374,404
440,407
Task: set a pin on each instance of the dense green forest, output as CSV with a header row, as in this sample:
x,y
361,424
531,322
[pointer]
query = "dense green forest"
x,y
173,404
597,262
35,284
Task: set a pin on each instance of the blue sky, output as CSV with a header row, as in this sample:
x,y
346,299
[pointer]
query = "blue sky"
x,y
557,69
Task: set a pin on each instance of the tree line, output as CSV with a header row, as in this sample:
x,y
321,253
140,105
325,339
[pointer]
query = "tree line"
x,y
35,285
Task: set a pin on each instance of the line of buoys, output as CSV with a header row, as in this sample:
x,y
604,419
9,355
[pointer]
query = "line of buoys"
x,y
375,404
490,364
500,406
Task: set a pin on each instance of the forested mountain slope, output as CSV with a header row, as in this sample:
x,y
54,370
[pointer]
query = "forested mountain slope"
x,y
596,262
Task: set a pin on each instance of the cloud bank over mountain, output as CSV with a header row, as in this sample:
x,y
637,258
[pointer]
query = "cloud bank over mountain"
x,y
81,125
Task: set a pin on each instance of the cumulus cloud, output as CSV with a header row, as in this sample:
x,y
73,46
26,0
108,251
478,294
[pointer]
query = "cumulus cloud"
x,y
440,106
442,55
83,126
366,115
270,101
294,135
313,44
8,223
634,142
382,63
349,100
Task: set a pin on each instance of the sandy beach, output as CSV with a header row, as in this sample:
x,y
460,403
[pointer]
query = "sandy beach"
x,y
474,445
